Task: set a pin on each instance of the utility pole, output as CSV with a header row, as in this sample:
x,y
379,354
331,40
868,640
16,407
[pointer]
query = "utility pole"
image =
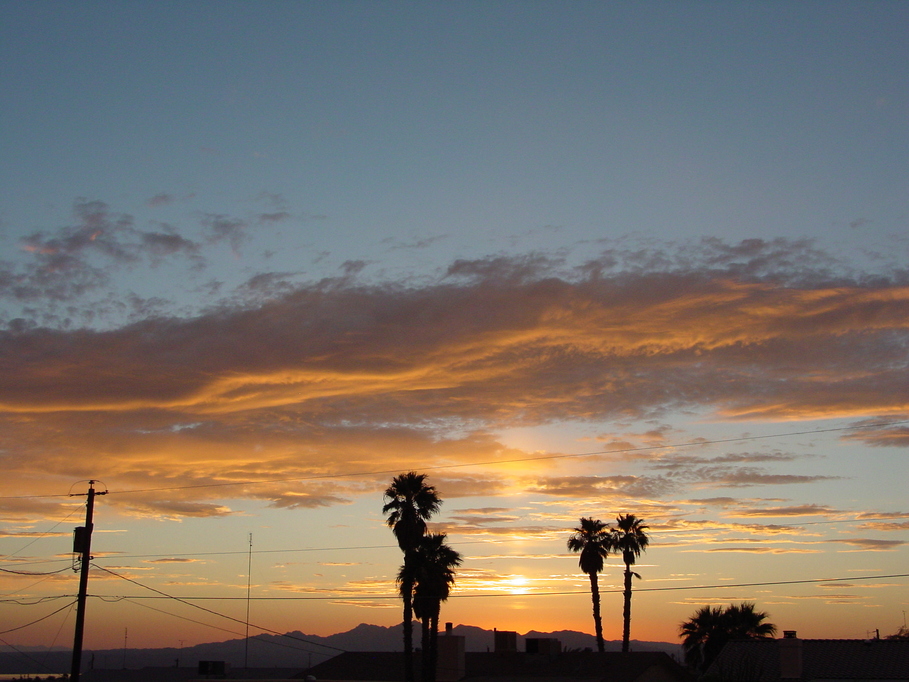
x,y
82,543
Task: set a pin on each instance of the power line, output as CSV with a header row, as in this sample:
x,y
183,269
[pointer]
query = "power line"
x,y
59,570
352,597
28,587
132,600
21,627
27,657
520,460
35,602
44,534
216,613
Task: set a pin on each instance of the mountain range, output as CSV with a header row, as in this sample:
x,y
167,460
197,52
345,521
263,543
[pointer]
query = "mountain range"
x,y
291,650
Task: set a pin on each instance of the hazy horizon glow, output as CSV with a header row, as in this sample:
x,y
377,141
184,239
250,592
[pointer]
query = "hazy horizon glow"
x,y
567,260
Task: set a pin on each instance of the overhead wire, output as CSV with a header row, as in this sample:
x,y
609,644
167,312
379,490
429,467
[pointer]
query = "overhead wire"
x,y
216,613
59,570
28,587
38,600
44,534
27,657
62,623
22,627
132,600
675,588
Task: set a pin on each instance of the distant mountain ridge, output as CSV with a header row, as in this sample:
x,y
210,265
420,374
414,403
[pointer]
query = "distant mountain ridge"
x,y
292,650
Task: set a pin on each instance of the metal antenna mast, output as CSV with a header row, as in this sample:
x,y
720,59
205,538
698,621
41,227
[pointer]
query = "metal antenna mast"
x,y
248,586
82,543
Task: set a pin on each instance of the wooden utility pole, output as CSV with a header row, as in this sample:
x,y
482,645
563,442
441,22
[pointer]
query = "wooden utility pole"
x,y
82,543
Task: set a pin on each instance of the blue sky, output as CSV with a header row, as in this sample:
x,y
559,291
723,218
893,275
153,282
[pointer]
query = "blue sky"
x,y
314,243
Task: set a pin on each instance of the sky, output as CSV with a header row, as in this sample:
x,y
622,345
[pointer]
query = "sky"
x,y
567,259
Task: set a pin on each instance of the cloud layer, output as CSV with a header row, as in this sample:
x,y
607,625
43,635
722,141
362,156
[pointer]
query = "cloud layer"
x,y
339,377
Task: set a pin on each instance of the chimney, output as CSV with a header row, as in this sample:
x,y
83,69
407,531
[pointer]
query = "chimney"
x,y
449,628
790,656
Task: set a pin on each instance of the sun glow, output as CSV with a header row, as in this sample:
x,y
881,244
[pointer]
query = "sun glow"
x,y
517,584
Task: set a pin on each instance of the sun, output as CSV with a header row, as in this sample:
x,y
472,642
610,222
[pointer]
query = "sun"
x,y
517,584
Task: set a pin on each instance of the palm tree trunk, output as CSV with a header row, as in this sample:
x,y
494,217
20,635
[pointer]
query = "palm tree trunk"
x,y
407,591
626,611
434,640
426,645
597,619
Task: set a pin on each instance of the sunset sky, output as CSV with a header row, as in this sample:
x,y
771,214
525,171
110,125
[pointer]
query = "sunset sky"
x,y
568,259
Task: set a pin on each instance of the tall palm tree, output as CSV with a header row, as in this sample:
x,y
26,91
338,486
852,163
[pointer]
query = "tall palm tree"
x,y
629,538
708,630
409,503
435,574
593,539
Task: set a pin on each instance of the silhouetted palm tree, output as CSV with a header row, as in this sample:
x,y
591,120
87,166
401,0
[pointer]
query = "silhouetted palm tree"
x,y
700,637
410,502
629,538
434,573
707,631
745,622
593,540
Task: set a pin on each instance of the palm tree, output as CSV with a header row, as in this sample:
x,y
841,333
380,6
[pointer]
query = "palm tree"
x,y
708,630
410,502
434,573
593,540
629,538
746,623
700,640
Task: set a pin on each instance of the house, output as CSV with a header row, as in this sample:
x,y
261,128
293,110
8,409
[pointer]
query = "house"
x,y
811,660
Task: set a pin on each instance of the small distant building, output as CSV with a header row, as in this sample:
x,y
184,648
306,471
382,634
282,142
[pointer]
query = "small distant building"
x,y
791,659
505,641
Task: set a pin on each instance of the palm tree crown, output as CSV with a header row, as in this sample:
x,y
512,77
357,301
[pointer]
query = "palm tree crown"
x,y
410,502
707,631
593,540
435,567
629,537
699,634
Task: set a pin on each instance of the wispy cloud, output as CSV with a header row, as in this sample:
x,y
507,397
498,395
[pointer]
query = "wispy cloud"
x,y
800,510
871,544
